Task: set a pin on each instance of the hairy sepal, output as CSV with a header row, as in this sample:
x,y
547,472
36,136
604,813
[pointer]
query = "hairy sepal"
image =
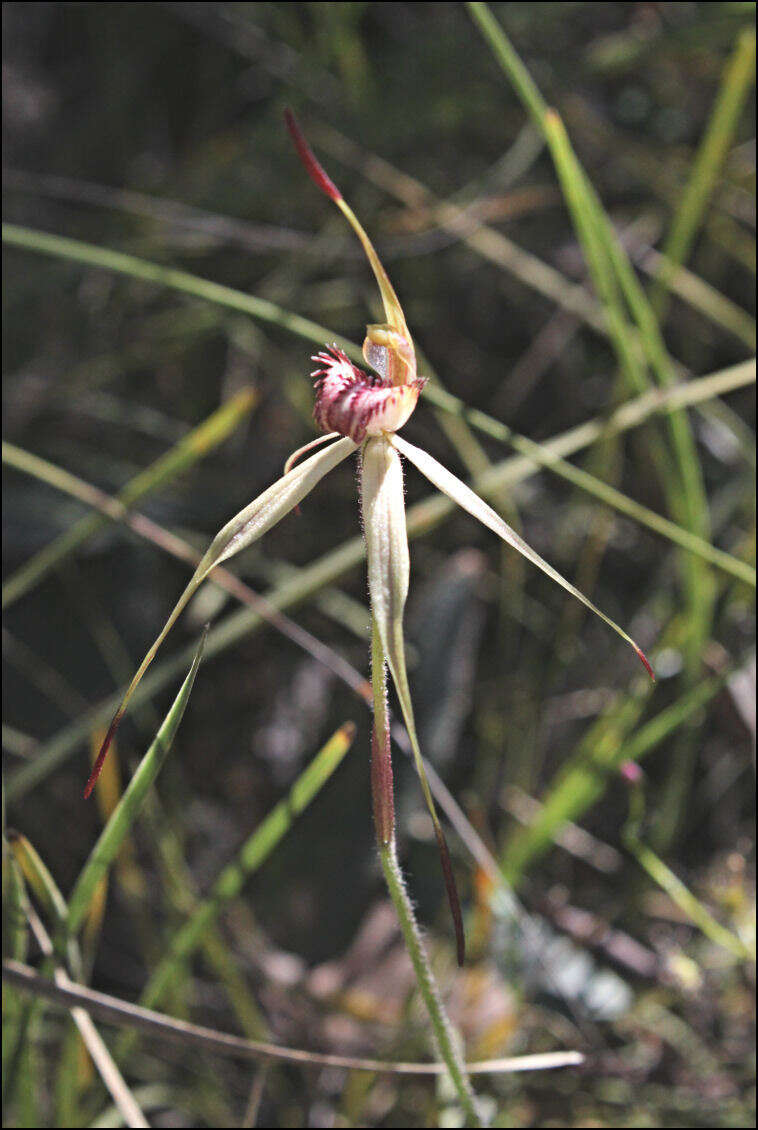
x,y
388,576
245,528
452,486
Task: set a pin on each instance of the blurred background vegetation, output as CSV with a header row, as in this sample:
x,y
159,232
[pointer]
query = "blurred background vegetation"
x,y
156,130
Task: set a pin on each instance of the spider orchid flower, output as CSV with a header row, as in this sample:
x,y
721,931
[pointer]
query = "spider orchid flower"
x,y
362,412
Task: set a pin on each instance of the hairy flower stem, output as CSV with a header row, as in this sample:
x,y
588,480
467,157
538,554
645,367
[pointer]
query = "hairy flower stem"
x,y
445,1037
382,792
384,818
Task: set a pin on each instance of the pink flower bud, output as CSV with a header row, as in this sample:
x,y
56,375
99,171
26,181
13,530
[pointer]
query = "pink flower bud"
x,y
631,772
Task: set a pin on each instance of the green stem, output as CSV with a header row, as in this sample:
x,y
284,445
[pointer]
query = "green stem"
x,y
447,1043
738,78
384,819
677,891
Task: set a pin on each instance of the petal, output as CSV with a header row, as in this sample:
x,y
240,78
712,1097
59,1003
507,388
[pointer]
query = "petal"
x,y
466,498
388,573
246,527
296,456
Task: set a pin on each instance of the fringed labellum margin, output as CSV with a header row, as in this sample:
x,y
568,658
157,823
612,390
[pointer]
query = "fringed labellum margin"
x,y
359,404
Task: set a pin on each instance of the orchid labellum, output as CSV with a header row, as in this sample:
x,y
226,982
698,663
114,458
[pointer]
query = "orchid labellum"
x,y
362,412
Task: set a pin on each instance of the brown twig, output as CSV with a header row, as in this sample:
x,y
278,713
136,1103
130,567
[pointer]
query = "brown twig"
x,y
112,1010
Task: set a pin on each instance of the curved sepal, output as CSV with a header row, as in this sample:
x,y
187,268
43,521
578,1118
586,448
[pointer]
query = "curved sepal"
x,y
465,497
243,529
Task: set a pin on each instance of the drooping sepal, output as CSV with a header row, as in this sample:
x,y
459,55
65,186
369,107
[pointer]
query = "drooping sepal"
x,y
243,529
388,576
466,498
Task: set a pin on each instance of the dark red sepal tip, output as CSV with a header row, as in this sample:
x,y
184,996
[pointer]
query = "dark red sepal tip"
x,y
645,662
307,156
100,760
452,896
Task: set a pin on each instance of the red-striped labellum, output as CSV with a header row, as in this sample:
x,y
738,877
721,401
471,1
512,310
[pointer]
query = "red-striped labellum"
x,y
358,404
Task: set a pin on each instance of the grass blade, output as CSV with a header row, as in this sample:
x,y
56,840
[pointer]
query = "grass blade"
x,y
269,312
106,259
38,877
91,1038
116,830
678,468
241,531
582,780
739,76
250,857
665,878
198,443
